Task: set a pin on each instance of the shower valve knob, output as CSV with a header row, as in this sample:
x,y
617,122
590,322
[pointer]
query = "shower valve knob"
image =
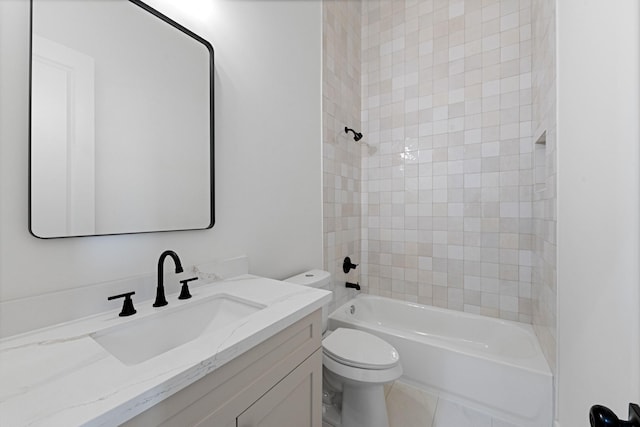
x,y
347,265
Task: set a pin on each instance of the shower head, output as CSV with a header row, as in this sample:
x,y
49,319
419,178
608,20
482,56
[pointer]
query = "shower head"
x,y
357,136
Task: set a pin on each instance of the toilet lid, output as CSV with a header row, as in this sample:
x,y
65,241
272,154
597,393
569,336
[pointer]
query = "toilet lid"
x,y
359,349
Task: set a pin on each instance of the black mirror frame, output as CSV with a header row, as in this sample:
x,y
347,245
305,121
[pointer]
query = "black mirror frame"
x,y
186,31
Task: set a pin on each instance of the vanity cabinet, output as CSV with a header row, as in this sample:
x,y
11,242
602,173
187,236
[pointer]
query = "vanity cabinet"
x,y
276,383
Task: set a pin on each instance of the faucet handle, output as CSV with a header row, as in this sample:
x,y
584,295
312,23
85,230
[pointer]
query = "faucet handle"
x,y
127,307
184,292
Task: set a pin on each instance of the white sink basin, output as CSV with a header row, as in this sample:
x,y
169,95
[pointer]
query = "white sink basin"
x,y
142,339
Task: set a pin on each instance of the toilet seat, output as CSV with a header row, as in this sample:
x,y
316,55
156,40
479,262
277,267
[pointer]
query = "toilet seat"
x,y
359,349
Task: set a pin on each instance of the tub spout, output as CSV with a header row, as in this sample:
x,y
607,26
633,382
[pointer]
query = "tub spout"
x,y
355,286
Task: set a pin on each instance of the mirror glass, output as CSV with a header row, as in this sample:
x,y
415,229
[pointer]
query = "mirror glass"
x,y
121,131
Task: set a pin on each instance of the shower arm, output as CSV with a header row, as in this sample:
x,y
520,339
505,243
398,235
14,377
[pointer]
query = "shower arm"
x,y
357,136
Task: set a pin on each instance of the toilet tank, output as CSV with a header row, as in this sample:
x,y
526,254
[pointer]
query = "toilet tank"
x,y
316,279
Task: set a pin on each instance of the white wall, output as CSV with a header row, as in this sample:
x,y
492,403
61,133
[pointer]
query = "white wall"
x,y
598,198
268,154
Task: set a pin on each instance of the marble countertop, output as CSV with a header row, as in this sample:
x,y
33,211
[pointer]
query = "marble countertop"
x,y
60,376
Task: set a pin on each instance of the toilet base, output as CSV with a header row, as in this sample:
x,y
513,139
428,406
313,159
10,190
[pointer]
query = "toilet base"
x,y
330,416
364,406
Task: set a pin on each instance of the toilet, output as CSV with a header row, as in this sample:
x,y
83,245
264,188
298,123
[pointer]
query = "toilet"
x,y
356,365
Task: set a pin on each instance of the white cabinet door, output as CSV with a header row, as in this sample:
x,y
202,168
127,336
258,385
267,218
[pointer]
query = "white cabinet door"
x,y
296,401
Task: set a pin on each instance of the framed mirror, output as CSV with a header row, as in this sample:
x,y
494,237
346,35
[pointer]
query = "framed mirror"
x,y
121,121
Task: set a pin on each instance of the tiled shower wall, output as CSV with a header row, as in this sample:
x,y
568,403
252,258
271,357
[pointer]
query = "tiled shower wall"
x,y
341,155
447,183
544,196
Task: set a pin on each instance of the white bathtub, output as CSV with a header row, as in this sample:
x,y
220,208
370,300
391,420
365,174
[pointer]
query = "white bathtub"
x,y
493,365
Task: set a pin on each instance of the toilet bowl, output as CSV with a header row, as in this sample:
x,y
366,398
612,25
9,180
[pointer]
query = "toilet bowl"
x,y
356,365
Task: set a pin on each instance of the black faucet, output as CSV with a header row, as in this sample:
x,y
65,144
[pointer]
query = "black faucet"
x,y
160,298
